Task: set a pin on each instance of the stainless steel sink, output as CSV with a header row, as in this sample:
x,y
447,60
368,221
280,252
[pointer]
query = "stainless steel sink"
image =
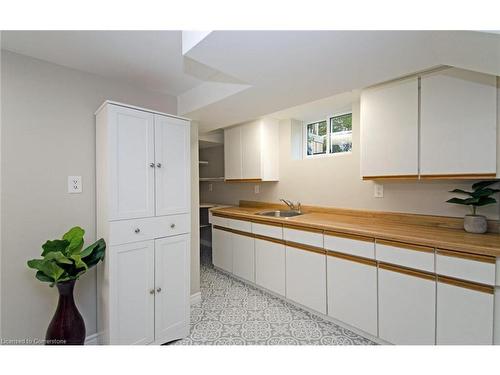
x,y
280,213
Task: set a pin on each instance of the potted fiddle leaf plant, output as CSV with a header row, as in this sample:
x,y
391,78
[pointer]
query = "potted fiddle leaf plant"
x,y
481,195
63,262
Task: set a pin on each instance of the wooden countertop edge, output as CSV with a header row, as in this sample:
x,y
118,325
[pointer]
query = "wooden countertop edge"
x,y
442,244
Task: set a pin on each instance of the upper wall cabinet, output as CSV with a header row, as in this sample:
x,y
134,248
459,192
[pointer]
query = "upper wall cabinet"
x,y
458,124
439,125
144,163
251,151
389,130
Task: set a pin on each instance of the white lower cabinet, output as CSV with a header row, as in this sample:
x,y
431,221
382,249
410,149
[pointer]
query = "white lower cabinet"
x,y
464,315
270,265
172,288
407,306
222,249
149,291
352,292
306,278
132,303
243,256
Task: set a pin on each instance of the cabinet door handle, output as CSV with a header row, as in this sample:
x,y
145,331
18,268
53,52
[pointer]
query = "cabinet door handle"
x,y
158,165
152,165
152,291
172,225
158,290
137,230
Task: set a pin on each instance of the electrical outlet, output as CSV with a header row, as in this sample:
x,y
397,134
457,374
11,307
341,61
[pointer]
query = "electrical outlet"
x,y
378,190
74,184
256,189
210,187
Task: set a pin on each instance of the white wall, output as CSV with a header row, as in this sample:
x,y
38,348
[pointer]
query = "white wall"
x,y
195,212
335,181
48,131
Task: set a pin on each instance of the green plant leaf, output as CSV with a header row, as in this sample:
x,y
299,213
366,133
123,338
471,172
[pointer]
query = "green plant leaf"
x,y
483,201
35,263
55,245
465,201
75,238
462,192
43,277
78,261
58,257
484,192
48,267
483,184
94,253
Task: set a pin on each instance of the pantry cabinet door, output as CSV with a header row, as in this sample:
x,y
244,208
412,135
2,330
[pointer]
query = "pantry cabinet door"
x,y
352,292
458,123
389,129
464,315
222,249
243,257
172,165
131,163
407,308
132,303
171,288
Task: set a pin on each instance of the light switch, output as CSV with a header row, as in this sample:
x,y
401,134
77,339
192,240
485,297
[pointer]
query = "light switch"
x,y
256,189
210,187
74,184
378,190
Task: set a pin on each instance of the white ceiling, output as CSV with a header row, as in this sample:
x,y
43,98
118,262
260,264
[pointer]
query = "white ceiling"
x,y
230,77
151,60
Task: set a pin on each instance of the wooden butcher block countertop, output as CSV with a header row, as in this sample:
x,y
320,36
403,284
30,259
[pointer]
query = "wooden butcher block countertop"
x,y
433,231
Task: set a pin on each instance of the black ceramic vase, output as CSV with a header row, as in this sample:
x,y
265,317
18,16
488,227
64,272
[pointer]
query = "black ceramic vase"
x,y
67,326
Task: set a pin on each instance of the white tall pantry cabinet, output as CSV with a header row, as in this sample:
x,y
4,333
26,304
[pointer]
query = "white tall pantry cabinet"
x,y
143,213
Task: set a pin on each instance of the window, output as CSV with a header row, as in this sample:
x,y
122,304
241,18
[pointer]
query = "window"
x,y
329,137
316,138
341,133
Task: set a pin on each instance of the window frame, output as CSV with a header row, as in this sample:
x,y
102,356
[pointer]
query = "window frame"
x,y
328,133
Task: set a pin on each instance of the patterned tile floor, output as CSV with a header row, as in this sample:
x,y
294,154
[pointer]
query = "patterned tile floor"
x,y
235,313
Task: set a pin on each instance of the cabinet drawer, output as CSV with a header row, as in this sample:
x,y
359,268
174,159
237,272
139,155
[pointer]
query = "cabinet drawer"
x,y
244,226
350,244
478,268
220,221
126,231
268,230
312,237
407,255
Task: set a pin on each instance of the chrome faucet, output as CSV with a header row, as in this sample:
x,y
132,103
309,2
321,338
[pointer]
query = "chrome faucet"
x,y
291,205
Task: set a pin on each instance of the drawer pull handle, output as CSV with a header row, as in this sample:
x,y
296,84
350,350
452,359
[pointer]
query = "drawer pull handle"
x,y
158,165
137,230
172,226
152,165
158,290
152,291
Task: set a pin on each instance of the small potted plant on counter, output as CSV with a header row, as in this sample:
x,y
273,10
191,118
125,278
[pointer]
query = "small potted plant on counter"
x,y
479,196
63,262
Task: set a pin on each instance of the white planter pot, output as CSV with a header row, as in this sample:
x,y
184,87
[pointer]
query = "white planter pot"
x,y
475,224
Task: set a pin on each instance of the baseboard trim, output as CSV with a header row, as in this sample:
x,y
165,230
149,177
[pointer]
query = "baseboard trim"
x,y
195,298
92,339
